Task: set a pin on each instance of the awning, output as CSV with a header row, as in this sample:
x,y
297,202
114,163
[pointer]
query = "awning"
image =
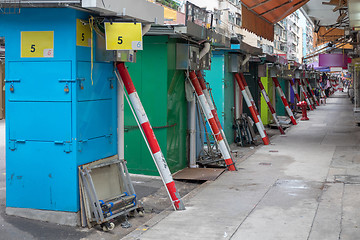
x,y
325,35
269,12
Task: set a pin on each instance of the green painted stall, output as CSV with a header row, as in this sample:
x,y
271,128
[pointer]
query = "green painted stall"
x,y
279,106
161,90
266,115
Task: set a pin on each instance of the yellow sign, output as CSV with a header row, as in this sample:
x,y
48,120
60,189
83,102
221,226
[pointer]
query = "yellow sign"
x,y
123,36
170,14
83,33
37,44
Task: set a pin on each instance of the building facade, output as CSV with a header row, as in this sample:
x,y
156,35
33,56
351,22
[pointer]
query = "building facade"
x,y
280,38
307,35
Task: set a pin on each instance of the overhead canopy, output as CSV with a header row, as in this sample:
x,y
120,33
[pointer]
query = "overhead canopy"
x,y
267,12
325,35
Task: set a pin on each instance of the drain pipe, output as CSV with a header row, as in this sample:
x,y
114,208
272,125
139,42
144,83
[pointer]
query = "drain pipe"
x,y
192,133
205,50
247,58
120,121
192,114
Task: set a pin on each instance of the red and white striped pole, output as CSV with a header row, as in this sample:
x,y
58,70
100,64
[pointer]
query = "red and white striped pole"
x,y
272,110
252,110
158,156
295,91
285,102
312,92
208,98
311,99
212,107
305,95
212,122
247,89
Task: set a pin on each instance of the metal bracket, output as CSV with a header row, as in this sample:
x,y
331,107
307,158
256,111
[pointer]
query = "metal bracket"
x,y
12,144
111,80
80,143
67,80
109,137
12,80
81,80
67,146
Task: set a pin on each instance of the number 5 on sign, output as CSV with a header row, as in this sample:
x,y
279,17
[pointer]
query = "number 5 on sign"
x,y
123,36
37,44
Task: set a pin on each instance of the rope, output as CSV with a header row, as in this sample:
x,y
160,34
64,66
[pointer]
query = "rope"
x,y
91,23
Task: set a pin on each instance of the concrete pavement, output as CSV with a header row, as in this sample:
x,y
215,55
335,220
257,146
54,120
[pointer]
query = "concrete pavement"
x,y
305,185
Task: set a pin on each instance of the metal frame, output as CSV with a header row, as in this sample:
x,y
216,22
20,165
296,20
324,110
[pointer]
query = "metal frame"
x,y
93,209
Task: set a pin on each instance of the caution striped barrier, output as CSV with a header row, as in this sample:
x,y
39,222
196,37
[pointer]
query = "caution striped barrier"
x,y
305,95
208,98
252,110
212,122
212,108
312,102
247,89
158,156
285,102
312,92
272,110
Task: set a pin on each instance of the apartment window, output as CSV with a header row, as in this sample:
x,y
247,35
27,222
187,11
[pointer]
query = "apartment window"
x,y
271,49
231,17
238,19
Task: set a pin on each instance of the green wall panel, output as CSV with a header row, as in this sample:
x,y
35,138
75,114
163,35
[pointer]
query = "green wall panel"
x,y
176,113
265,112
161,90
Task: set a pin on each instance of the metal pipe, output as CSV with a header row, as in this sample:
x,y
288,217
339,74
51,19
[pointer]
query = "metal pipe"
x,y
205,50
120,122
192,135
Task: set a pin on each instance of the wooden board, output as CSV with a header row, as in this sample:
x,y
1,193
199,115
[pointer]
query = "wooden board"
x,y
201,174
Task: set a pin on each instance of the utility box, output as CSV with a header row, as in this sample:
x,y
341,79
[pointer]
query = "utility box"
x,y
234,62
61,109
187,57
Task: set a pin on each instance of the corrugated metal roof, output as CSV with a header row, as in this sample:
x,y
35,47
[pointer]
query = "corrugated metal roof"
x,y
273,10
